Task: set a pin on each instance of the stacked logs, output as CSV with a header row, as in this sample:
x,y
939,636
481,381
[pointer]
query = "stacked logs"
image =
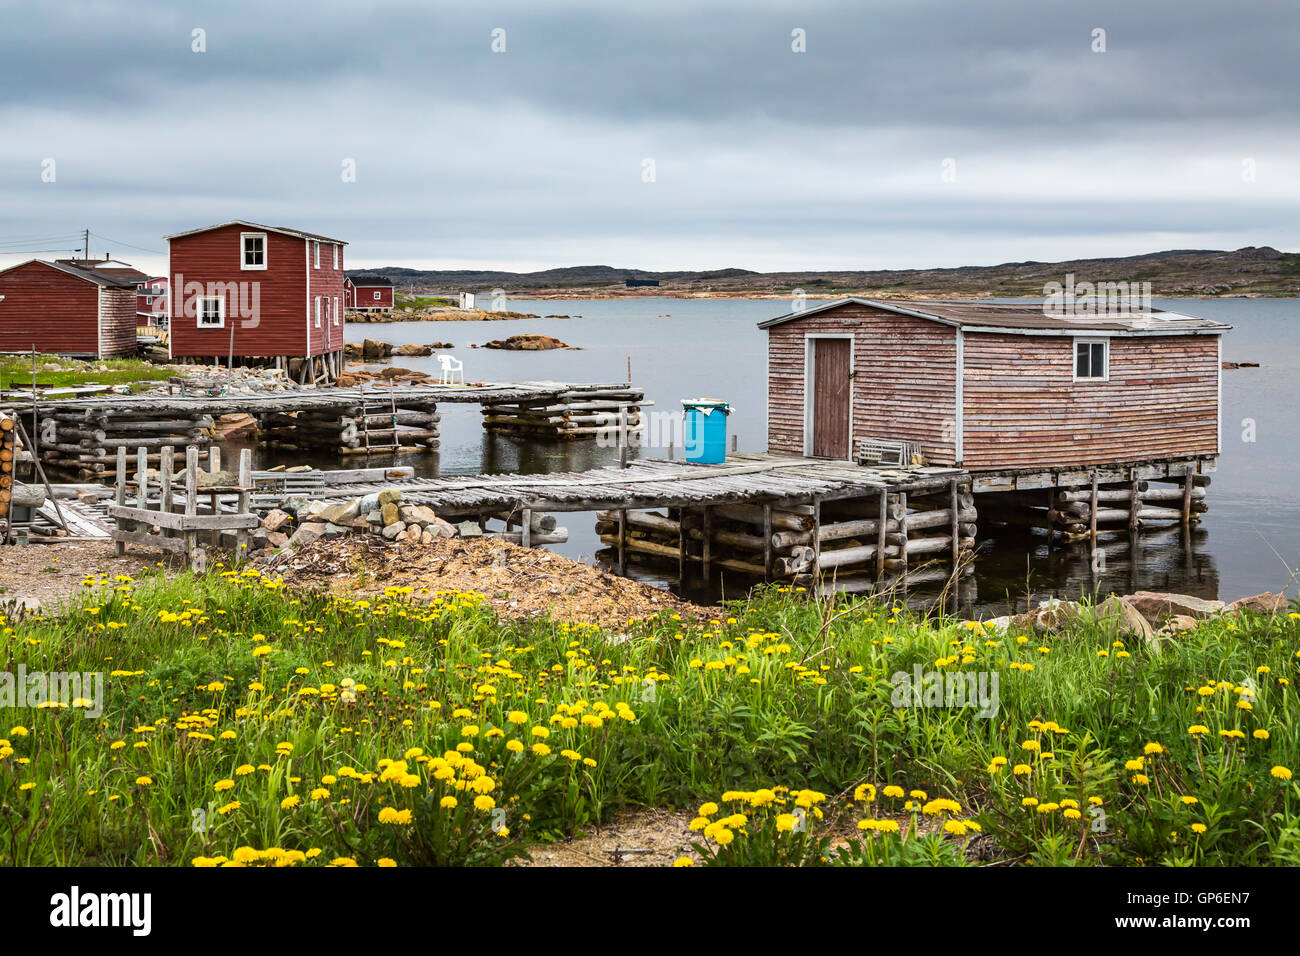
x,y
578,413
85,441
734,537
8,459
379,425
867,535
1083,512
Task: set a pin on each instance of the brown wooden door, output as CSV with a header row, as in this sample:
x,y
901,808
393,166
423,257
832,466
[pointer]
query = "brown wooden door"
x,y
831,409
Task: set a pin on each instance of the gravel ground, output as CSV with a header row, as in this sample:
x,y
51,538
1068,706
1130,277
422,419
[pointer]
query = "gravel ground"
x,y
43,575
518,582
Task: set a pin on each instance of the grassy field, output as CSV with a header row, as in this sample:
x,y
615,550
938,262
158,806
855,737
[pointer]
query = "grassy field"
x,y
16,371
243,724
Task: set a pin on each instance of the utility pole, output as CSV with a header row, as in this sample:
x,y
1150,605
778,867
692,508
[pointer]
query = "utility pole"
x,y
85,249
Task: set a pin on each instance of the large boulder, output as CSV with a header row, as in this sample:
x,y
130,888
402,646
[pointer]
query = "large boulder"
x,y
372,349
526,343
1117,614
1266,603
307,533
1157,607
342,512
417,514
276,519
1050,617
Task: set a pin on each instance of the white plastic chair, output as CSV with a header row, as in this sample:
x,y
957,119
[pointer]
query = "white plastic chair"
x,y
451,367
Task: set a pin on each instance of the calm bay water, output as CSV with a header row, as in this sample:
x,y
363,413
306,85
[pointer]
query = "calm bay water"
x,y
711,347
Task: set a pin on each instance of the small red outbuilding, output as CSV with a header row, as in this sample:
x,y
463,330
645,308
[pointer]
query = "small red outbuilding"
x,y
368,293
63,309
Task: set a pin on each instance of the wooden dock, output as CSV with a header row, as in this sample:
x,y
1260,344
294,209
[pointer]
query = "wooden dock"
x,y
82,435
771,516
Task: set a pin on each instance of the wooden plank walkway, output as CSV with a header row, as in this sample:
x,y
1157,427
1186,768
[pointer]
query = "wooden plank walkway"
x,y
303,399
657,483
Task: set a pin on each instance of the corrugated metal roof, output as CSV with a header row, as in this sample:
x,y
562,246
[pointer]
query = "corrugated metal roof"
x,y
1027,318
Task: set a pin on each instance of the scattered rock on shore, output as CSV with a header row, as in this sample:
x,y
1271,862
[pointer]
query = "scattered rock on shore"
x,y
526,343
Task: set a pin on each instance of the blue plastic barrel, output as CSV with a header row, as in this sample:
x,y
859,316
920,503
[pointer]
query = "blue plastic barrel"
x,y
705,430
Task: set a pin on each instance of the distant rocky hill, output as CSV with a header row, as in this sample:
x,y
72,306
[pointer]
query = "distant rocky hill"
x,y
1254,270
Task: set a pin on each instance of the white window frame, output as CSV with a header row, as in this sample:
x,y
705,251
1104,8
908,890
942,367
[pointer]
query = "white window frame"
x,y
378,294
199,311
337,313
1074,359
318,298
315,248
243,252
336,254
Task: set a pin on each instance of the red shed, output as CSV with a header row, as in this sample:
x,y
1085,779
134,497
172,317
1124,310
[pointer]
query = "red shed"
x,y
992,386
257,292
66,310
368,293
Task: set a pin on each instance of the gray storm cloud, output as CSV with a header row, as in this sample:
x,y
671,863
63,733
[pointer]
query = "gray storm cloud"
x,y
763,157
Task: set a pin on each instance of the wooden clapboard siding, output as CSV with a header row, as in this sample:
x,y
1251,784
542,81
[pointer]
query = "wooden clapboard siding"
x,y
117,325
1022,408
49,310
904,383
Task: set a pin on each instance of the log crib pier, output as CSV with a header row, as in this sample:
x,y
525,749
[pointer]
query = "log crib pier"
x,y
82,436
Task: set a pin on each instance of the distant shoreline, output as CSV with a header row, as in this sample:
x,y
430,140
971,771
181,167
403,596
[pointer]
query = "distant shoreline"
x,y
547,294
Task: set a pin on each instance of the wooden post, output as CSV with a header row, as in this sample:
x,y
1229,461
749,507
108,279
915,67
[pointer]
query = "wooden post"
x,y
214,465
1092,513
141,478
1050,524
902,529
622,435
191,500
622,542
956,526
1135,504
245,500
166,465
1187,495
681,546
119,496
767,542
817,536
706,553
880,533
525,528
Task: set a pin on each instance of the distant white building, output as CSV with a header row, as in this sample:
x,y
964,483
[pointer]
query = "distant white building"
x,y
467,300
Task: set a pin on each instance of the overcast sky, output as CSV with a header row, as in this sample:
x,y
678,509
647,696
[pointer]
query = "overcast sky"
x,y
909,133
